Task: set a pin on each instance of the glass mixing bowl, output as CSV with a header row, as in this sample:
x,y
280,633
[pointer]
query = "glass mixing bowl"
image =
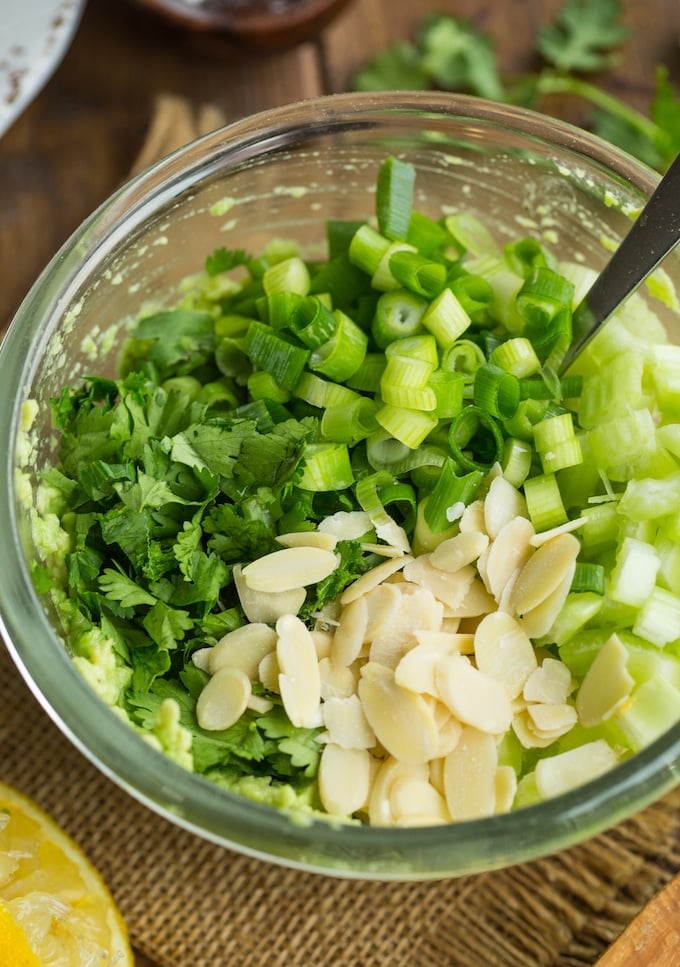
x,y
284,172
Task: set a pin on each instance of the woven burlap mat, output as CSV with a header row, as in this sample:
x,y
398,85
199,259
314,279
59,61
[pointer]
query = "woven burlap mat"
x,y
189,903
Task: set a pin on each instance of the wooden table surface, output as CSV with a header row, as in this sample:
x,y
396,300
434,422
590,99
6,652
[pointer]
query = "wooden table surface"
x,y
79,138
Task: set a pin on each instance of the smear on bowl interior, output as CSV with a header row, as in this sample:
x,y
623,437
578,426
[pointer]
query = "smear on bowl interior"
x,y
338,540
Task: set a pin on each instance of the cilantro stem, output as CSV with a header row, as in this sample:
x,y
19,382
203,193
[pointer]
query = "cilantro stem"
x,y
550,83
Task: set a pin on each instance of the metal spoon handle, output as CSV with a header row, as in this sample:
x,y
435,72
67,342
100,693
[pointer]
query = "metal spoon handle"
x,y
654,234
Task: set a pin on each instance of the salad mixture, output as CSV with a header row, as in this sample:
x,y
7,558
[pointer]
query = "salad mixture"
x,y
341,540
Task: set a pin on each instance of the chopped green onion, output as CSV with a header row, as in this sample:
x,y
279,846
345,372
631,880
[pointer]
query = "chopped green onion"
x,y
394,197
450,496
232,324
541,299
419,347
496,392
446,319
448,390
557,444
427,235
312,321
471,427
516,356
516,463
290,275
349,423
463,357
384,452
367,248
418,274
232,356
474,294
368,492
410,397
407,371
263,386
398,314
588,578
409,426
402,497
382,279
326,467
322,393
339,234
471,235
544,502
525,255
270,352
528,415
367,377
342,355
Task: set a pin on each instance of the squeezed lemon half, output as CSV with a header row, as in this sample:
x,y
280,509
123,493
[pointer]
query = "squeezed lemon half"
x,y
55,909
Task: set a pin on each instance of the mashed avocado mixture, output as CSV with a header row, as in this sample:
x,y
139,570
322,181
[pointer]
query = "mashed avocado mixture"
x,y
397,402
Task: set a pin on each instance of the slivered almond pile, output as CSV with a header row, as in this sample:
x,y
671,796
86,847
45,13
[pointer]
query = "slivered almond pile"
x,y
421,667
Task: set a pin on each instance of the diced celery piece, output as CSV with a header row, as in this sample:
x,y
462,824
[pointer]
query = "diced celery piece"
x,y
580,651
618,390
576,612
668,552
566,770
653,709
607,684
623,440
634,575
658,620
527,792
649,498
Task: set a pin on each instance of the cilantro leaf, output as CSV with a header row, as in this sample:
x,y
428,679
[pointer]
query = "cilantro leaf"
x,y
166,626
584,35
397,68
236,539
175,342
223,260
121,588
456,56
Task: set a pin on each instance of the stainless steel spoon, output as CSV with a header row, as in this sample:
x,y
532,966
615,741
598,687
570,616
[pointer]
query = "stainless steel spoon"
x,y
654,234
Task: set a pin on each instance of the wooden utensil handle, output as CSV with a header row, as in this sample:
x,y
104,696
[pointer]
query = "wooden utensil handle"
x,y
653,937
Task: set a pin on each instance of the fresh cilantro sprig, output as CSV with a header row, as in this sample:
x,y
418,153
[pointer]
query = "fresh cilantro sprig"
x,y
584,40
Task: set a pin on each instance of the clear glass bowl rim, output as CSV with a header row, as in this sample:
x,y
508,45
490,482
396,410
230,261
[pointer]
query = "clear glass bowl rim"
x,y
110,744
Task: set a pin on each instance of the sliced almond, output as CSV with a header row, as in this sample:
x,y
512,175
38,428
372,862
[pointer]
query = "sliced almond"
x,y
504,652
223,700
506,788
477,602
317,538
544,572
346,525
381,604
538,622
472,518
288,569
509,551
470,776
503,503
201,659
350,633
243,648
260,704
387,774
268,672
523,727
402,720
448,588
571,525
266,606
416,670
606,686
417,610
347,724
458,551
299,678
344,779
337,681
323,642
446,642
550,683
371,579
552,720
473,697
415,802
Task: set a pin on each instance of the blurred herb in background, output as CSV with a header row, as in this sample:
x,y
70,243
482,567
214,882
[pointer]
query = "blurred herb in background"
x,y
585,38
